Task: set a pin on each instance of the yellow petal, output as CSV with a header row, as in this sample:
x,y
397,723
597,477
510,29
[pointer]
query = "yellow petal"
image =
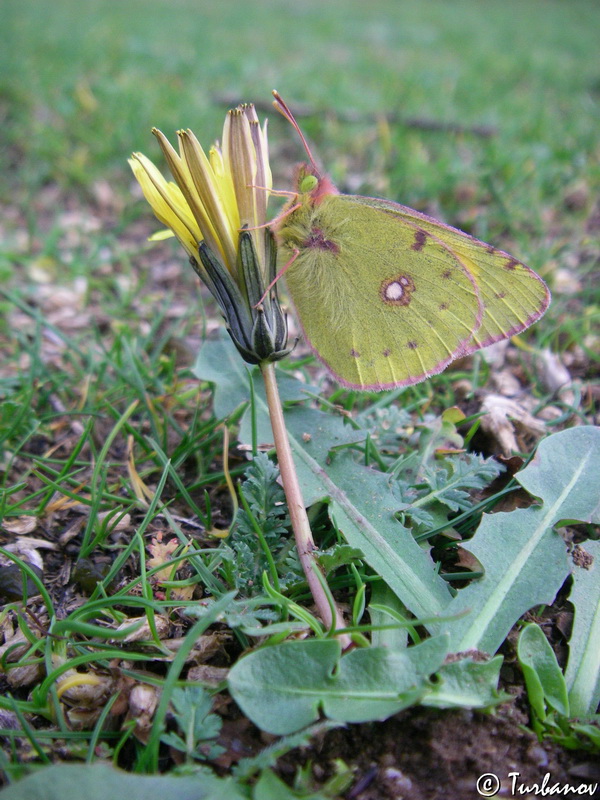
x,y
167,203
160,236
240,161
204,182
180,171
224,184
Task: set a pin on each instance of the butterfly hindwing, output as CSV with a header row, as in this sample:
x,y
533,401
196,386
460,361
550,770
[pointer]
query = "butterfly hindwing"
x,y
512,294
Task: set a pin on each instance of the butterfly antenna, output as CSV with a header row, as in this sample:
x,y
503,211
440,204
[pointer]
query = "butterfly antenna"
x,y
276,192
284,110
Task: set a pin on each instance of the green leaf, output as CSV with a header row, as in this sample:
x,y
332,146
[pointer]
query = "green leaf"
x,y
383,597
219,362
466,684
583,668
451,480
337,556
279,687
270,787
360,499
363,505
283,688
244,552
99,782
247,767
585,735
541,671
535,693
565,471
247,614
524,559
191,706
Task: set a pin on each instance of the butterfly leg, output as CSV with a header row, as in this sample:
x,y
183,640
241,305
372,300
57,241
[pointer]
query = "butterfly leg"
x,y
279,275
275,221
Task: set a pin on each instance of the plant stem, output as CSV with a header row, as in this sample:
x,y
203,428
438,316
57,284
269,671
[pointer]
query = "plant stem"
x,y
299,519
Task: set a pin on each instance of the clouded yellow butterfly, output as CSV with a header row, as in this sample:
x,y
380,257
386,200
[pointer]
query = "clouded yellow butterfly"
x,y
387,296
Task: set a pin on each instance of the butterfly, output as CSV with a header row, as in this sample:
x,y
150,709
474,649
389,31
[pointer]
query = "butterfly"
x,y
387,296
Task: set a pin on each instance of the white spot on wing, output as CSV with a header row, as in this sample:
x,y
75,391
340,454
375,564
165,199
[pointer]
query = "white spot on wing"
x,y
394,291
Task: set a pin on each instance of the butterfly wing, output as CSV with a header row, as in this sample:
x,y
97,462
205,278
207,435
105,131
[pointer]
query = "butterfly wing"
x,y
513,295
383,301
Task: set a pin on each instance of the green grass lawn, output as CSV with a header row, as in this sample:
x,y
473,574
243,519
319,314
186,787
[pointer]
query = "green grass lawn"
x,y
484,114
82,85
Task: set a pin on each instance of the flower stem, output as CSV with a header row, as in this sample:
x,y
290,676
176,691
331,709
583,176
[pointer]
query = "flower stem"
x,y
299,519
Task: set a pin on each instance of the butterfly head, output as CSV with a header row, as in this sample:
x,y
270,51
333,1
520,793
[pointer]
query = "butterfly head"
x,y
307,181
312,183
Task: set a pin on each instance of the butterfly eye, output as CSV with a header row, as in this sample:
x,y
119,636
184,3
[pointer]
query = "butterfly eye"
x,y
308,183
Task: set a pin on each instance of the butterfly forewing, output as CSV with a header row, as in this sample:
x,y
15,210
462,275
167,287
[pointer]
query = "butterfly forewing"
x,y
381,304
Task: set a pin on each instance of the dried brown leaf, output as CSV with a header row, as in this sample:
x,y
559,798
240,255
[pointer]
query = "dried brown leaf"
x,y
204,648
20,525
208,675
143,700
161,554
143,633
506,383
551,371
502,418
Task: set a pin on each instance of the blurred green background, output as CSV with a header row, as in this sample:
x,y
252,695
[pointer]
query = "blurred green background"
x,y
83,83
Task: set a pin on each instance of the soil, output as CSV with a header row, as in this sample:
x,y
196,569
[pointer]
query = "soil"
x,y
422,754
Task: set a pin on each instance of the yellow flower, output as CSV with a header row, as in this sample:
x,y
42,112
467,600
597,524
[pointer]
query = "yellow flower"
x,y
214,196
217,208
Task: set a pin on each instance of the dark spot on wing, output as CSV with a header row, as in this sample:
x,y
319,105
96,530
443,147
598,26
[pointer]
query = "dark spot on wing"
x,y
500,295
420,239
444,306
447,274
512,264
412,345
354,353
387,352
317,240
